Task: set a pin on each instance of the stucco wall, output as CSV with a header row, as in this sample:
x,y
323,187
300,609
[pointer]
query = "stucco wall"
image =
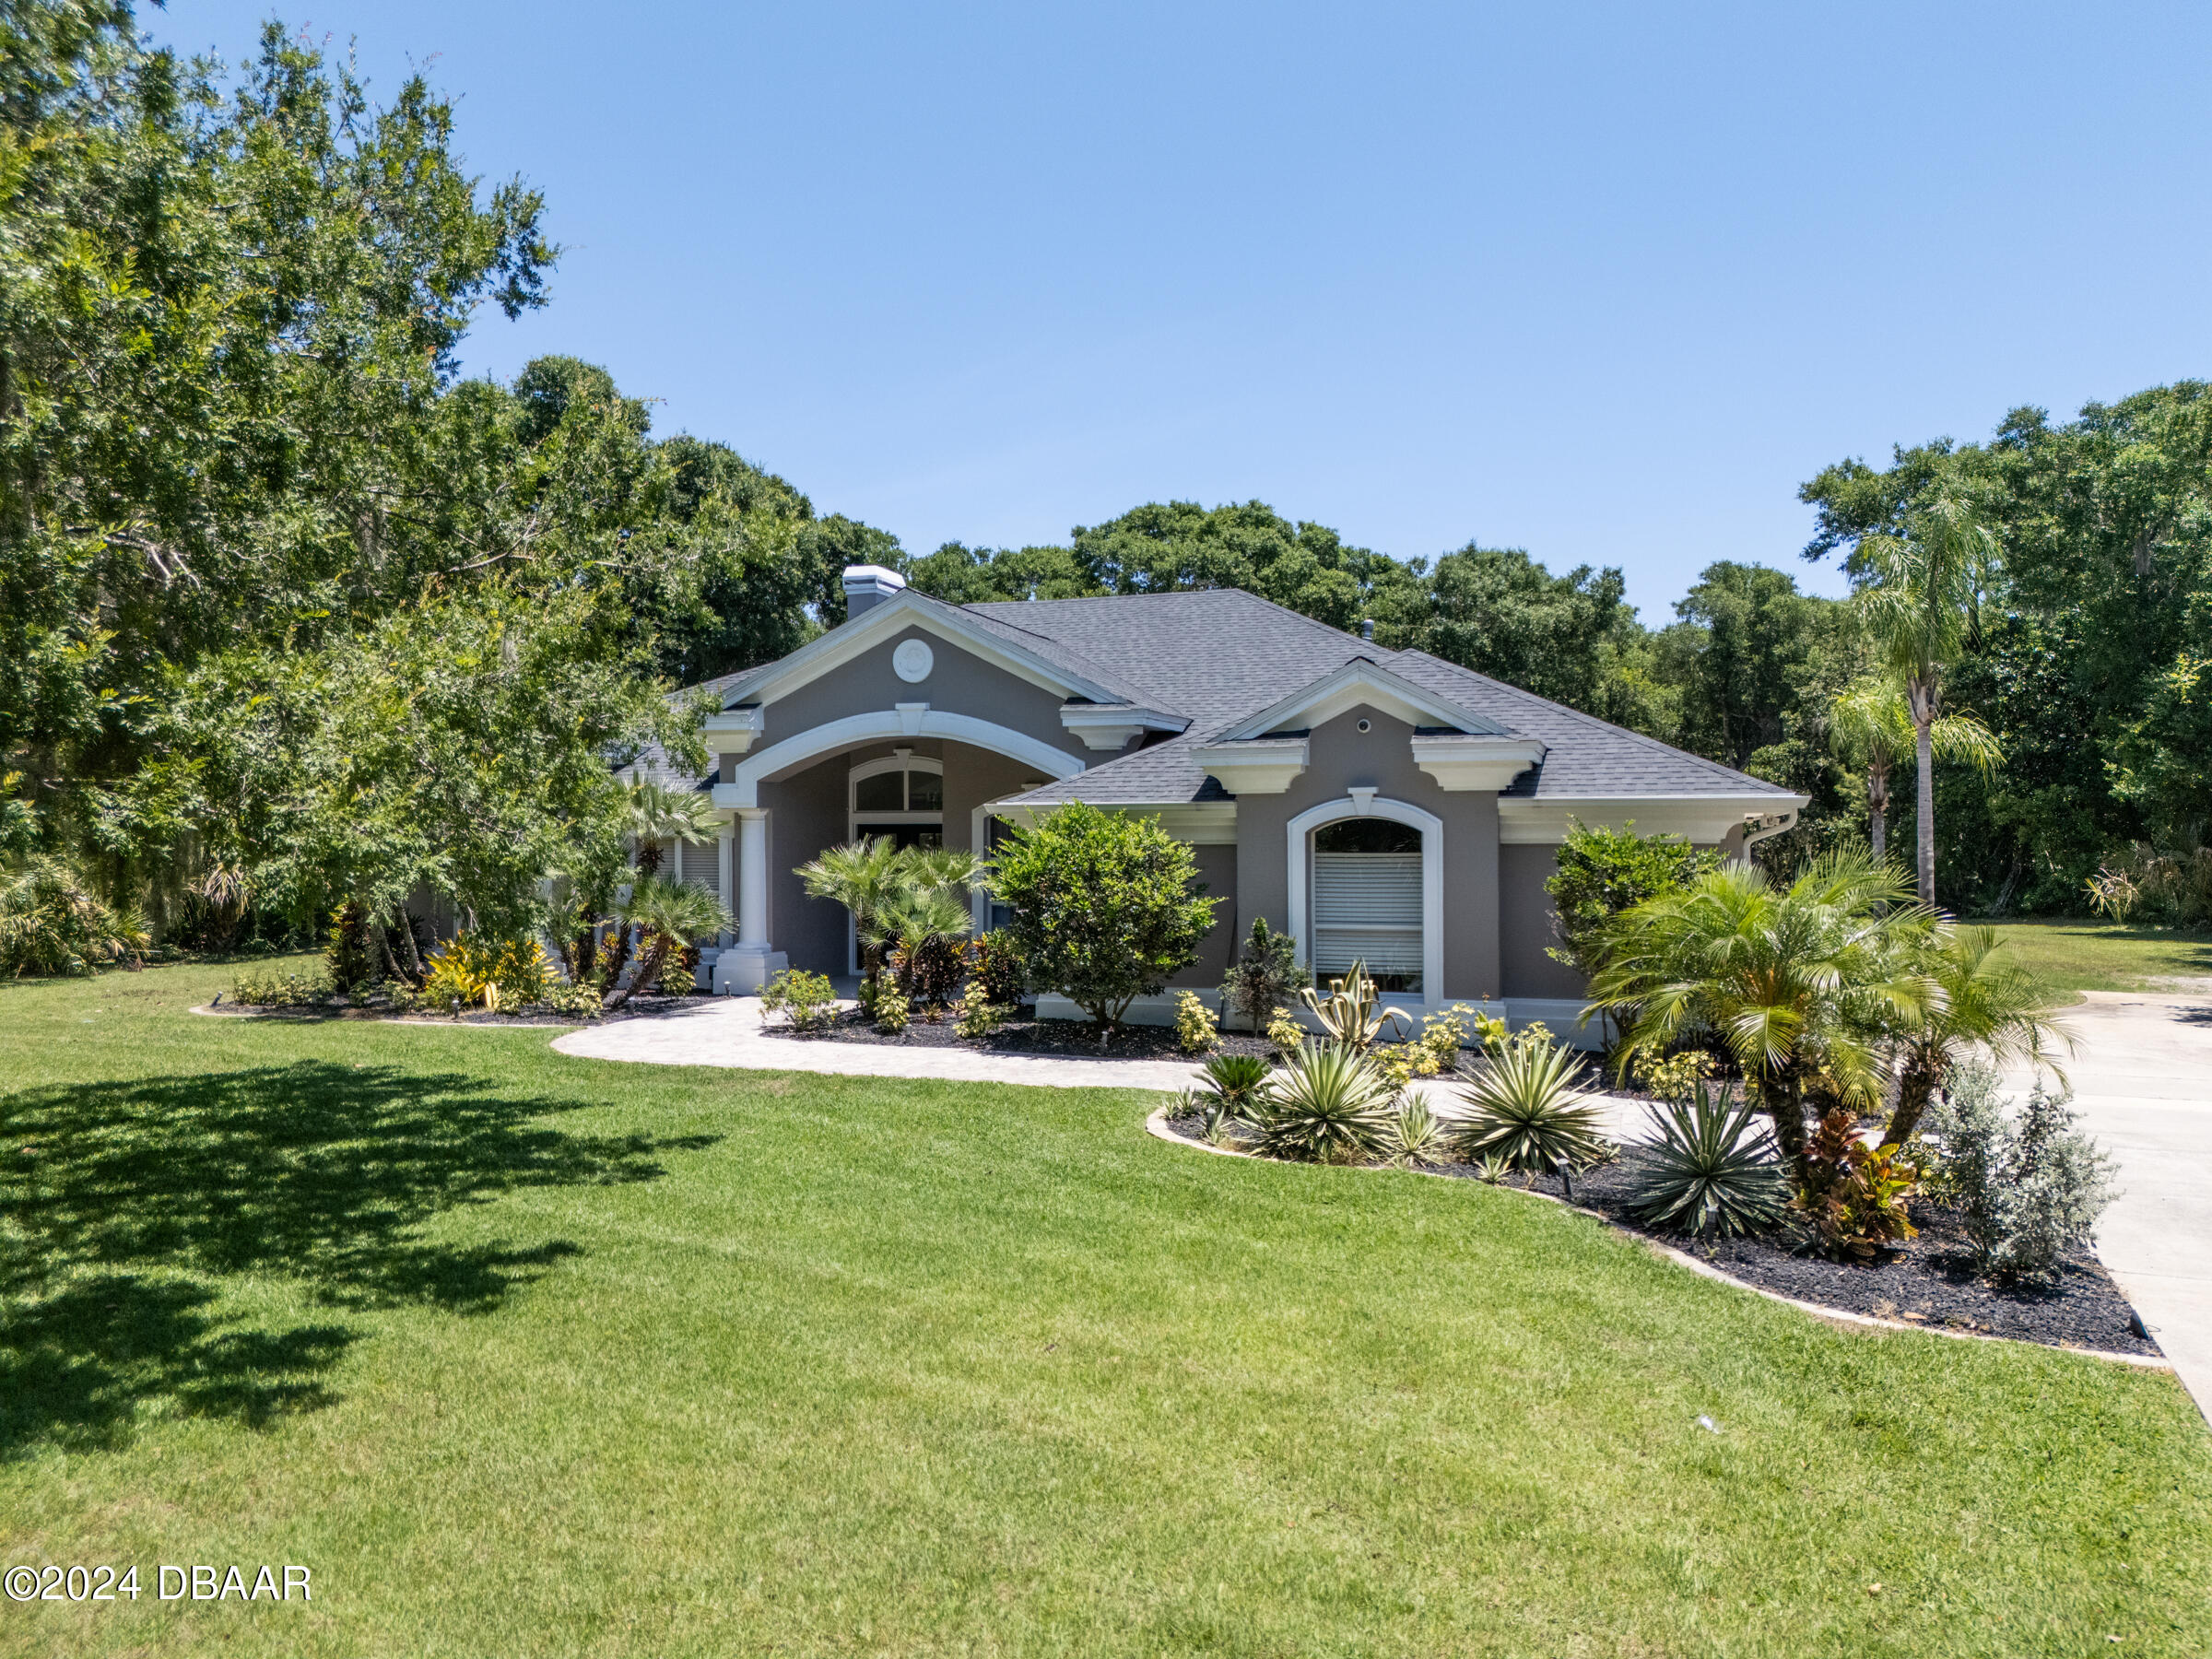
x,y
957,684
1339,755
806,813
971,777
1525,926
1218,870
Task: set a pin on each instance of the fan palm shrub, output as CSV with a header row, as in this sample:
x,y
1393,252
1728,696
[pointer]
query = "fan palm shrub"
x,y
666,913
1526,1110
1983,1003
52,922
1712,1172
1326,1105
926,929
654,813
1797,982
865,876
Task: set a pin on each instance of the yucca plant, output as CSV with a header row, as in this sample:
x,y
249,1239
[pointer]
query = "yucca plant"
x,y
1416,1135
1351,1013
1527,1112
1327,1105
1712,1172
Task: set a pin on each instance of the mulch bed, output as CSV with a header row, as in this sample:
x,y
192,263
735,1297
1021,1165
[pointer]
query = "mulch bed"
x,y
1930,1281
1026,1034
340,1009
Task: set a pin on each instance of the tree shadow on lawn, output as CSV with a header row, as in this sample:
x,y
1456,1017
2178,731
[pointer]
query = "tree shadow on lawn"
x,y
126,1203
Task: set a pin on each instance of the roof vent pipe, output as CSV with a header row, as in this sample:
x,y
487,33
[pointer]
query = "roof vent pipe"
x,y
1367,629
867,586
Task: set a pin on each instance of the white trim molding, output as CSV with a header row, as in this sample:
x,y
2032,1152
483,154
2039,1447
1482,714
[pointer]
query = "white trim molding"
x,y
734,730
888,618
1475,760
1112,726
908,719
1299,828
1255,765
1360,682
1704,820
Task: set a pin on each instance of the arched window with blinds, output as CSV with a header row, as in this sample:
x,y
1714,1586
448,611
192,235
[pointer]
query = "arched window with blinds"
x,y
1367,901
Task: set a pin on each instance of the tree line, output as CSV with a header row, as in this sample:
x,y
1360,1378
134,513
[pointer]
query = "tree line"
x,y
295,615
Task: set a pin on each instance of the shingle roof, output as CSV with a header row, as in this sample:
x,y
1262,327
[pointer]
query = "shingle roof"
x,y
1222,655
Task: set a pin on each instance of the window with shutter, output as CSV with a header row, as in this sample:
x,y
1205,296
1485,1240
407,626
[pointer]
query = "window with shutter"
x,y
1367,901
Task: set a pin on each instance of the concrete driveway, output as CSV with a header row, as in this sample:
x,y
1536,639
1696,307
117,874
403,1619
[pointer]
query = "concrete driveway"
x,y
2142,1077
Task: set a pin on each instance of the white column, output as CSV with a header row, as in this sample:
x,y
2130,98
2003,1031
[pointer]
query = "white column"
x,y
752,877
726,886
750,963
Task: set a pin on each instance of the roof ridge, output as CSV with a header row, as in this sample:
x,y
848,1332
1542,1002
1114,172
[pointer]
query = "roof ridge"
x,y
1644,738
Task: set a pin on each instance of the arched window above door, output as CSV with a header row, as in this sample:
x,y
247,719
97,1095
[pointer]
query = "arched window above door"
x,y
900,795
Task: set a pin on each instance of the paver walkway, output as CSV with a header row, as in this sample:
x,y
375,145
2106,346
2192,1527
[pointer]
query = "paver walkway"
x,y
727,1032
2142,1078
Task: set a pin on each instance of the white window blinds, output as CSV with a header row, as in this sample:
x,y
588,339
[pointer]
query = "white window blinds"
x,y
1366,908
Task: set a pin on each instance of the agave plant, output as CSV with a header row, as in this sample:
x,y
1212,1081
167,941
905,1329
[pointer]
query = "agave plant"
x,y
1327,1105
1416,1135
1710,1172
1349,1013
1236,1079
1527,1112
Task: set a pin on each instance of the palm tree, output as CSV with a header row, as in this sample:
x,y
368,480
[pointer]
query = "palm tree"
x,y
1798,983
1870,725
865,876
953,871
1921,608
1986,1001
666,912
925,927
654,813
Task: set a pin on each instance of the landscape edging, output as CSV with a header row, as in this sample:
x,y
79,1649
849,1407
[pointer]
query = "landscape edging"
x,y
1157,1125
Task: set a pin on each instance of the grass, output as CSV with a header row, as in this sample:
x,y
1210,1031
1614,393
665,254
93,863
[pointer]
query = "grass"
x,y
528,1355
2077,955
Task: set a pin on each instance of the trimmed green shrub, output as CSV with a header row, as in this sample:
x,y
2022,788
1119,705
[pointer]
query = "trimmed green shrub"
x,y
1106,907
892,1013
1327,1105
1712,1170
807,1000
2028,1190
1526,1111
1603,872
264,988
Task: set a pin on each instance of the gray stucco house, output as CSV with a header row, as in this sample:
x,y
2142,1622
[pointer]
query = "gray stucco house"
x,y
1379,804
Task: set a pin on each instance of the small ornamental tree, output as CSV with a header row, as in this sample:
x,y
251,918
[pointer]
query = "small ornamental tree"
x,y
1106,907
1603,872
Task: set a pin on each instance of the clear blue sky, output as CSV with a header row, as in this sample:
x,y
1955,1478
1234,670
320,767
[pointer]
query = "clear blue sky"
x,y
1604,282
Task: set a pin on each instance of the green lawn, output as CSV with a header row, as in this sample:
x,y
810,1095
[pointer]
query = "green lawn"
x,y
2098,955
524,1355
